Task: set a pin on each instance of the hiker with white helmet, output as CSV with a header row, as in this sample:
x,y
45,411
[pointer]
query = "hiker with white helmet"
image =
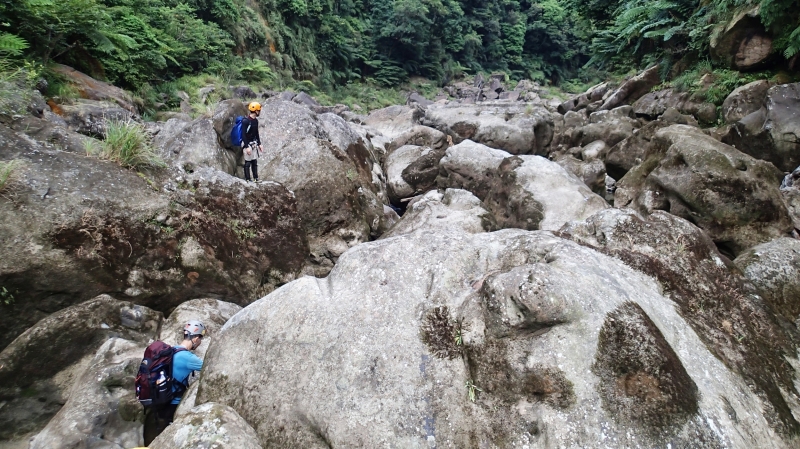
x,y
163,378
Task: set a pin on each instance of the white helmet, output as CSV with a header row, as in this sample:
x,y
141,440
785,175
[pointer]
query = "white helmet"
x,y
194,328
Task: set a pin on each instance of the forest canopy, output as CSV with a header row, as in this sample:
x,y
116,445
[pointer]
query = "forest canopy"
x,y
332,42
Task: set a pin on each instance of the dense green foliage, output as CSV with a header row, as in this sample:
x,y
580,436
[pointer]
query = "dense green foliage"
x,y
332,42
142,43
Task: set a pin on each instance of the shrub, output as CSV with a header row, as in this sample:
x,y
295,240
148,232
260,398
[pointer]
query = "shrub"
x,y
127,143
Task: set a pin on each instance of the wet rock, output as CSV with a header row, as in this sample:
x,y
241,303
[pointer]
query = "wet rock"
x,y
305,99
208,425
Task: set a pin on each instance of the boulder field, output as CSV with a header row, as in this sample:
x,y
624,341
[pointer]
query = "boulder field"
x,y
487,270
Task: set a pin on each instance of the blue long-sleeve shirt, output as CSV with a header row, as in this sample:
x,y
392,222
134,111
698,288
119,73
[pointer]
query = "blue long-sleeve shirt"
x,y
183,363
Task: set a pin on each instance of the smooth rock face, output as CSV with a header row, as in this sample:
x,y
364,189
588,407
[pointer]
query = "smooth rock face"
x,y
80,226
774,269
527,192
632,89
101,410
89,117
654,104
454,209
38,369
394,120
530,370
93,89
208,426
189,145
734,324
517,129
773,132
730,195
745,100
410,170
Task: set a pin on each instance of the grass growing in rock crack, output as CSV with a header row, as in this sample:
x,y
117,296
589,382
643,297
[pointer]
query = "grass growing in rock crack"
x,y
9,175
126,143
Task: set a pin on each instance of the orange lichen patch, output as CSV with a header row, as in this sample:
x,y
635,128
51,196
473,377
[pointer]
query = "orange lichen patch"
x,y
55,107
193,276
272,48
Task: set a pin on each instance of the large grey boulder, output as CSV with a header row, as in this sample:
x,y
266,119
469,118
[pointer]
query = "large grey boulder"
x,y
591,171
609,126
393,121
732,196
190,145
224,117
745,100
515,128
632,89
593,94
790,188
80,226
528,192
654,104
101,411
410,170
208,426
52,134
452,210
774,269
478,340
773,132
734,324
742,43
325,182
89,117
632,150
38,369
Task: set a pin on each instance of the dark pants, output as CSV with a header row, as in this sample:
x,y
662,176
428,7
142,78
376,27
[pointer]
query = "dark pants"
x,y
247,166
156,420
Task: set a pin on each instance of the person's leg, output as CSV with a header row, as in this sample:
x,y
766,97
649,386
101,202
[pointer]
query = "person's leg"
x,y
164,416
150,425
255,169
247,165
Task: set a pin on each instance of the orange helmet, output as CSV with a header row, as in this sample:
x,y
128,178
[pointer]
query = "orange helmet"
x,y
254,107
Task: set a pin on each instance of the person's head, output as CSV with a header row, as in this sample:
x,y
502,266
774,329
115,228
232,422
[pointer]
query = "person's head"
x,y
193,333
255,108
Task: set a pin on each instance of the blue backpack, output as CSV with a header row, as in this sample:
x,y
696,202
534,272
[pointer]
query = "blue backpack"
x,y
236,132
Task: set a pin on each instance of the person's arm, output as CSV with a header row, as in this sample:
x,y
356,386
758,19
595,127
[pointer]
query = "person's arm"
x,y
245,126
194,363
258,140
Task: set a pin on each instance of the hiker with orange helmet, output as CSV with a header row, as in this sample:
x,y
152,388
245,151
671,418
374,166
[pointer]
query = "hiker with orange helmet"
x,y
251,141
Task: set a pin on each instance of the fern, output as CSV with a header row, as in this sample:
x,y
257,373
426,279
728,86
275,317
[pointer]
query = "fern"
x,y
11,44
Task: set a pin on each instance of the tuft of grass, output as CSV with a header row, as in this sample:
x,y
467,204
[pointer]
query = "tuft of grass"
x,y
9,174
128,144
710,84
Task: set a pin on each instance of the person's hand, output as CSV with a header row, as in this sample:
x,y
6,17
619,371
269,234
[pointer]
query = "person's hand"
x,y
249,152
260,148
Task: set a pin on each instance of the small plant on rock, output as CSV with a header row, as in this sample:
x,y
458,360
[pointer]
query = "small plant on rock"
x,y
127,143
9,175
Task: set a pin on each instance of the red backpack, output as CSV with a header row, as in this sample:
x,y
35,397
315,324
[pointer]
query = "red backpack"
x,y
155,384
